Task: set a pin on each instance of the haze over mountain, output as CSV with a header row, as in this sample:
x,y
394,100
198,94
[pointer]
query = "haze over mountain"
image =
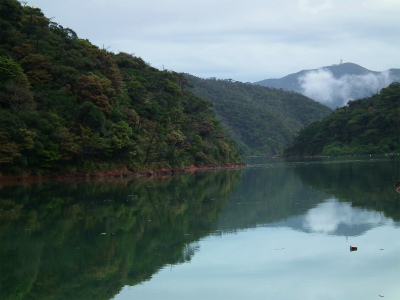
x,y
335,85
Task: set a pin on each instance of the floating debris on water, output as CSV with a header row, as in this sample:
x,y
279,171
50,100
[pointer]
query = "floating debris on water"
x,y
397,186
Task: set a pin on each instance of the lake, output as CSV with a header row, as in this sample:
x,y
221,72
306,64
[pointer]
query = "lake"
x,y
278,229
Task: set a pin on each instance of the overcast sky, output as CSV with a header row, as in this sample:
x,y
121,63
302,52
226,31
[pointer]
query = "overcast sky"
x,y
246,40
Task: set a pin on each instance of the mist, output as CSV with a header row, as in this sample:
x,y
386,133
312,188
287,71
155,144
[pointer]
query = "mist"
x,y
322,86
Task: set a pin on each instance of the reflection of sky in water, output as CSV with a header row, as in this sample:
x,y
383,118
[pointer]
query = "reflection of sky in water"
x,y
328,216
281,263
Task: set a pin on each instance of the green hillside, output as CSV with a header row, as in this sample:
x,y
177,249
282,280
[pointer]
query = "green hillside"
x,y
366,126
68,106
262,120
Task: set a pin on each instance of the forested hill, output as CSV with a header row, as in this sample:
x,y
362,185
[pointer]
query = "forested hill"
x,y
68,106
366,126
262,120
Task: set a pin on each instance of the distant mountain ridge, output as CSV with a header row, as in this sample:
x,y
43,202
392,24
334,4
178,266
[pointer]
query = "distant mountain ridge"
x,y
335,85
262,121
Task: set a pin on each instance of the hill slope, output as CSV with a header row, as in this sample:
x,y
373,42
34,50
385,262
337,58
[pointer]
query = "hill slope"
x,y
366,126
335,85
68,106
262,120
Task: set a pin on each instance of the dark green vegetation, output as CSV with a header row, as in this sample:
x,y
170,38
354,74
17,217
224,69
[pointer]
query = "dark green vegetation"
x,y
366,126
89,240
68,106
263,121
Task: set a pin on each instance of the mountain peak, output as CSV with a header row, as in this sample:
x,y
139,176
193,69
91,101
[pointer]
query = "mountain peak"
x,y
335,85
347,69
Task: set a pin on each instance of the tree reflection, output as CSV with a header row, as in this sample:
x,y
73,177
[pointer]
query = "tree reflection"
x,y
365,182
88,240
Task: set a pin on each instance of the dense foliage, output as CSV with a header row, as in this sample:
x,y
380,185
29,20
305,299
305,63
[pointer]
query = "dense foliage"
x,y
68,106
262,120
365,126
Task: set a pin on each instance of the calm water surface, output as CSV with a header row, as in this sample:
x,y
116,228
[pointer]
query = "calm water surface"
x,y
274,230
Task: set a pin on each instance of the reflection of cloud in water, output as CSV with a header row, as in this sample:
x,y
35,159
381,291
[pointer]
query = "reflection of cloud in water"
x,y
328,216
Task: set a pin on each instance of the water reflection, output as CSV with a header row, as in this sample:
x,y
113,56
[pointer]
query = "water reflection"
x,y
364,182
284,235
336,218
87,240
333,217
277,263
237,234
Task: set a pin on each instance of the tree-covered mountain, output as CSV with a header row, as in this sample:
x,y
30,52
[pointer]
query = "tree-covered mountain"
x,y
68,106
366,126
335,85
263,121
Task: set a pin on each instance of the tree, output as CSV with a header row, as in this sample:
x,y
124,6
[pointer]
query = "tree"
x,y
14,84
8,150
10,16
93,89
35,24
37,68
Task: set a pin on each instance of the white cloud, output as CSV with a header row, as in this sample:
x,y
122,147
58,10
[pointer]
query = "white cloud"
x,y
322,86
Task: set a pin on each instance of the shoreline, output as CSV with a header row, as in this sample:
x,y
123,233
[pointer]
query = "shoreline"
x,y
163,172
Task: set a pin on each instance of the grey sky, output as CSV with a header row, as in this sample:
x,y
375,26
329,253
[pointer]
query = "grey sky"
x,y
247,40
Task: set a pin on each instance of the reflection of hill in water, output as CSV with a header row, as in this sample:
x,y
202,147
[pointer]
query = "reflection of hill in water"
x,y
294,194
87,241
365,182
266,195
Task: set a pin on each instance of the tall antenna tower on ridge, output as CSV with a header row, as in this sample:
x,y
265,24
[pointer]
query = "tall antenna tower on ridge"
x,y
341,61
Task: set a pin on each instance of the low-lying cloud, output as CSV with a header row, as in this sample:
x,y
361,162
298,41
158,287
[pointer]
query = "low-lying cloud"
x,y
322,86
